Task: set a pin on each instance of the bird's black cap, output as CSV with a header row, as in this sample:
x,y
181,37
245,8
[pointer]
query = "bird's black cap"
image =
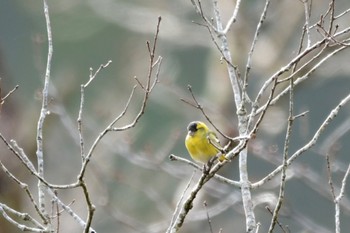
x,y
192,127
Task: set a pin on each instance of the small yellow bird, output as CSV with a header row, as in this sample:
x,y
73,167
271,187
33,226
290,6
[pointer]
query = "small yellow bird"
x,y
198,145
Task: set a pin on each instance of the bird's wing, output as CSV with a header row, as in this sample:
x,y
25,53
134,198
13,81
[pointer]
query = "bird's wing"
x,y
214,139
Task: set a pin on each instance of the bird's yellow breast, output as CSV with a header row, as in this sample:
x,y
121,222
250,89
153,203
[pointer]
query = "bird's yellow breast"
x,y
199,148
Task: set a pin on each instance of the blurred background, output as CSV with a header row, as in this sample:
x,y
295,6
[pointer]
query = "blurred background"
x,y
133,184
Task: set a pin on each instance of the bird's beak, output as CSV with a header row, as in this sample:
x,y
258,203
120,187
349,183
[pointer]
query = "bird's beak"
x,y
191,133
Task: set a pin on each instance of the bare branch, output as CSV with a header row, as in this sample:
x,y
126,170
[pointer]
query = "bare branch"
x,y
205,177
278,223
208,217
334,137
216,176
331,16
172,222
26,189
343,183
261,117
148,89
69,211
82,99
197,105
286,68
90,207
337,199
285,158
308,145
44,112
251,51
303,78
233,17
307,12
8,94
4,208
330,181
187,205
227,54
342,14
93,75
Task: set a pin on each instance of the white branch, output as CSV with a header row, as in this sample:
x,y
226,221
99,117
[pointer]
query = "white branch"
x,y
44,112
308,145
337,200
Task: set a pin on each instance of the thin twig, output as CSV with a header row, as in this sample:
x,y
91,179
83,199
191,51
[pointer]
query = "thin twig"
x,y
197,105
44,112
213,33
80,124
139,82
8,94
4,208
26,189
308,145
278,223
93,75
24,159
251,51
286,68
69,211
91,207
227,54
338,199
147,91
301,41
330,181
304,66
341,14
218,177
55,212
307,12
209,23
334,137
263,112
233,17
208,217
180,200
187,205
285,158
304,77
331,16
82,99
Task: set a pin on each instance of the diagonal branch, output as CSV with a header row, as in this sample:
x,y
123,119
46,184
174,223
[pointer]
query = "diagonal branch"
x,y
308,145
